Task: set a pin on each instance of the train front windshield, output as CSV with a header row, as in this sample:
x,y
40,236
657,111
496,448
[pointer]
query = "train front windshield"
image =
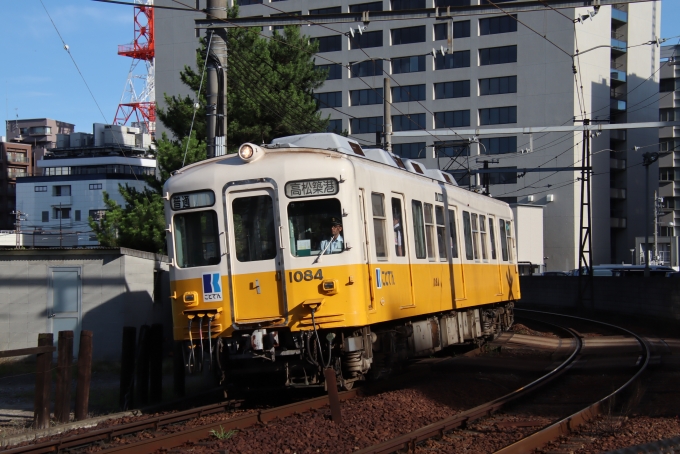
x,y
197,239
311,227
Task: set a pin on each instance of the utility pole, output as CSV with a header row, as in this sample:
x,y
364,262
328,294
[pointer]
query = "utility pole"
x,y
61,215
486,175
216,84
387,114
585,253
656,228
647,160
17,225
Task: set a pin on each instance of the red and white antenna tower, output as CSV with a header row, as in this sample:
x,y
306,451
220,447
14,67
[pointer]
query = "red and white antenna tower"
x,y
140,101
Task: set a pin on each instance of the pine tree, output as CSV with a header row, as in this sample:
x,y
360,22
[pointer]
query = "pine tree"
x,y
270,94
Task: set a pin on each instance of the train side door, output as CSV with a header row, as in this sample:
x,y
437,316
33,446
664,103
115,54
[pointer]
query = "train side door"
x,y
366,251
456,266
495,259
255,258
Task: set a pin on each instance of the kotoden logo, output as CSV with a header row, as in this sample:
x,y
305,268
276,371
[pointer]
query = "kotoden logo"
x,y
212,288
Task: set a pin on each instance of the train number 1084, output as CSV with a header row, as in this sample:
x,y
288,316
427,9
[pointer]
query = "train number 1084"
x,y
306,275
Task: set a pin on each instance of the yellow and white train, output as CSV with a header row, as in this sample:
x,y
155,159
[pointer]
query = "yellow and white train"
x,y
312,253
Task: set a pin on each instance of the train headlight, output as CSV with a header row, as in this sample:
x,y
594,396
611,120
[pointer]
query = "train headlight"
x,y
249,152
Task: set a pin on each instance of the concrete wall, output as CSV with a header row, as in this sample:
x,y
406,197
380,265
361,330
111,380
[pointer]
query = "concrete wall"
x,y
117,288
635,296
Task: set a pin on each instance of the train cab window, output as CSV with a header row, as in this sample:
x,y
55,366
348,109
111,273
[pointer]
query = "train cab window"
x,y
482,237
429,231
398,226
418,229
504,239
508,234
468,235
197,239
454,236
441,231
475,236
254,228
379,220
493,239
310,227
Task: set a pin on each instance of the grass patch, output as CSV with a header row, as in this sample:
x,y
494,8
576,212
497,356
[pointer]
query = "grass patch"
x,y
223,434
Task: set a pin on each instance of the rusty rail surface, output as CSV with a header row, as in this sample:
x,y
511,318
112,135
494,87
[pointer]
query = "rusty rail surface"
x,y
176,439
409,440
570,423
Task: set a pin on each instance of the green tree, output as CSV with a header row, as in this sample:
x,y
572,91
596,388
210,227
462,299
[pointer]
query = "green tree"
x,y
270,94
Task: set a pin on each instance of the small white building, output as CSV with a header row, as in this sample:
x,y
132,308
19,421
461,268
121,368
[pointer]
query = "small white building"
x,y
529,234
57,204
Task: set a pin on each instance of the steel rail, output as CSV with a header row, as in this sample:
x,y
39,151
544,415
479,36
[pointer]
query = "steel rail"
x,y
176,439
409,440
570,423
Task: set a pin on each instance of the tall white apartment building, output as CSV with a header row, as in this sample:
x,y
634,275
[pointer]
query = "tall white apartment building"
x,y
504,70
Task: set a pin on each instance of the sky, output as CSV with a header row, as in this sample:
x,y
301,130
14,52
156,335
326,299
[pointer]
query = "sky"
x,y
38,78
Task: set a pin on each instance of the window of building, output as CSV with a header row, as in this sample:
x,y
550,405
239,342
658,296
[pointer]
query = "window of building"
x,y
366,125
366,40
100,169
500,24
412,150
452,119
329,43
379,221
329,99
329,10
429,231
46,216
418,229
408,35
61,190
16,172
334,71
457,89
95,186
462,176
411,122
492,235
441,231
366,97
461,29
407,4
482,237
40,130
498,85
398,228
14,156
497,55
503,175
445,3
197,238
254,236
498,115
366,68
370,6
61,213
459,59
334,126
467,231
454,235
408,93
669,114
40,188
669,145
403,65
77,215
499,145
452,149
97,215
248,2
669,84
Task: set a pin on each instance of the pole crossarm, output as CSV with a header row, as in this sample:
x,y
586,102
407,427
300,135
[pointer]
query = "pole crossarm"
x,y
536,129
424,13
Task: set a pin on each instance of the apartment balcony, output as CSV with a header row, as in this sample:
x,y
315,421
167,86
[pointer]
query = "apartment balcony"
x,y
619,46
617,76
617,105
617,223
617,164
616,193
619,17
15,173
13,157
618,135
61,200
666,189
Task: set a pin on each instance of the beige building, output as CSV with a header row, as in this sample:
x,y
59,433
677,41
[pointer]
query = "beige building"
x,y
40,133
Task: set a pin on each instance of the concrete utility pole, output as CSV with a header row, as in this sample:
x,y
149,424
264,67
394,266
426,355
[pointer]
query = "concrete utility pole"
x,y
656,229
216,84
387,114
647,160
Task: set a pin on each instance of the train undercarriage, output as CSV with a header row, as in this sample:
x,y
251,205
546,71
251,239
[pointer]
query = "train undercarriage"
x,y
279,357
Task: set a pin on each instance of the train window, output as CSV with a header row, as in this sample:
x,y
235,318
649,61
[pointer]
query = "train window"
x,y
482,236
197,239
254,228
475,236
310,225
468,235
454,239
418,229
378,205
508,232
493,239
441,231
504,240
429,230
398,226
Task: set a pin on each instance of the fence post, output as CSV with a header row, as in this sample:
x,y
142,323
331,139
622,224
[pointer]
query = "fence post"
x,y
62,404
156,363
43,379
142,367
127,368
84,375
